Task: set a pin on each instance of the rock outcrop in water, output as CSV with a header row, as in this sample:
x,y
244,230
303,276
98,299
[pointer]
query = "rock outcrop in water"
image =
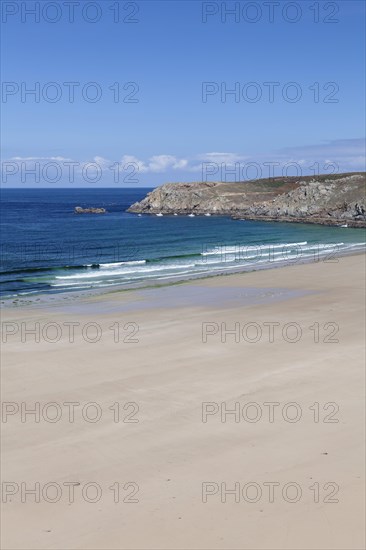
x,y
331,200
80,210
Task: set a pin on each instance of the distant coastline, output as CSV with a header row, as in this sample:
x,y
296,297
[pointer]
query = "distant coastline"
x,y
324,199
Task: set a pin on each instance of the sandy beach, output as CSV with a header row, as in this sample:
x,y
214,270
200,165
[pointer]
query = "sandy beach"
x,y
221,413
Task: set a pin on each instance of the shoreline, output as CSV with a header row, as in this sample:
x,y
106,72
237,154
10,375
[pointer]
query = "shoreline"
x,y
351,224
53,298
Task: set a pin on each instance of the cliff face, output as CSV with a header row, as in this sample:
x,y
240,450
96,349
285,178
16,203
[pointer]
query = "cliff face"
x,y
321,199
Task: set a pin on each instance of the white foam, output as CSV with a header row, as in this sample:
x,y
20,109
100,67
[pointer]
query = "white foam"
x,y
119,273
223,249
116,264
99,274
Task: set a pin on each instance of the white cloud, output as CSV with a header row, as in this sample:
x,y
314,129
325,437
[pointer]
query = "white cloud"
x,y
156,163
346,154
102,162
160,163
43,159
227,158
218,159
130,159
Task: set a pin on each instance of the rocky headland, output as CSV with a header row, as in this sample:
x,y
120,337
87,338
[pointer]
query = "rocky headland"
x,y
326,199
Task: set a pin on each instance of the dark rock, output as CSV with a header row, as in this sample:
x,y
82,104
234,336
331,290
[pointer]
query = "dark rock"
x,y
80,210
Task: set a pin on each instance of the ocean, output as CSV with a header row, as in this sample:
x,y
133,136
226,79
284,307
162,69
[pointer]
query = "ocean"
x,y
46,248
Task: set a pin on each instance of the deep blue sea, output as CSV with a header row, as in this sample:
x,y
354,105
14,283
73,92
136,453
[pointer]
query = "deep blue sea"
x,y
47,248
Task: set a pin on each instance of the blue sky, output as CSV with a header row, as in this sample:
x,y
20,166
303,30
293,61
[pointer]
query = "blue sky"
x,y
174,130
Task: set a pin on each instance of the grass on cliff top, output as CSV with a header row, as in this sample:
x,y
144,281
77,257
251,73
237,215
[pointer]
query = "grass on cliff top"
x,y
282,183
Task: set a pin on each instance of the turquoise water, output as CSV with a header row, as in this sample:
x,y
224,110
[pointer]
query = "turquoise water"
x,y
46,248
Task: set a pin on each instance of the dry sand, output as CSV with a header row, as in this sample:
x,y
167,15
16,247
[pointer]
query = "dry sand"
x,y
167,456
